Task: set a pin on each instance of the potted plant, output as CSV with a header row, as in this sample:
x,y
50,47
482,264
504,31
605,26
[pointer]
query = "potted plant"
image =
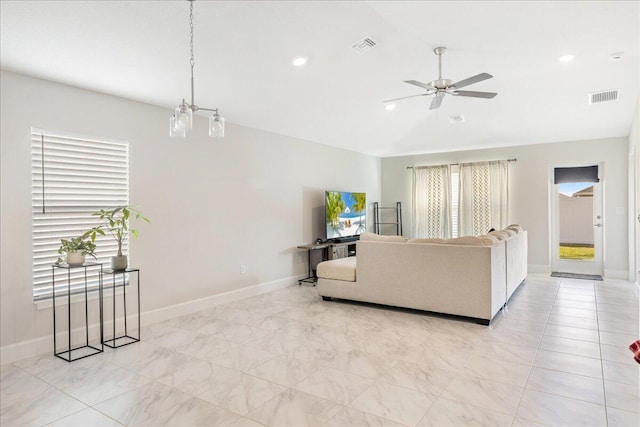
x,y
116,222
75,250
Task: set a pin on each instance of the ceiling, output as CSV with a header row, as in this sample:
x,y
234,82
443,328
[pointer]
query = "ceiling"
x,y
243,52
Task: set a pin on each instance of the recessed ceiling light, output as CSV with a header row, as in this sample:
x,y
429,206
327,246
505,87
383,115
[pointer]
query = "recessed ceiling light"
x,y
390,107
299,61
616,56
456,118
566,58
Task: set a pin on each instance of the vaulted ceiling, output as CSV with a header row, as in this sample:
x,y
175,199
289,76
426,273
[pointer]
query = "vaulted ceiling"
x,y
243,52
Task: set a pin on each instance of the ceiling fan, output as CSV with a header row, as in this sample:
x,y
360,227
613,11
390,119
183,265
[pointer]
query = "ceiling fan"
x,y
442,87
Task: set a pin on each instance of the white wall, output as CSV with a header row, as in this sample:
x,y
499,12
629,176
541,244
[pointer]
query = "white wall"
x,y
529,198
249,198
634,196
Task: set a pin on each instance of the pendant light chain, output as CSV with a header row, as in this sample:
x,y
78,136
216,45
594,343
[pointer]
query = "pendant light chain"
x,y
192,60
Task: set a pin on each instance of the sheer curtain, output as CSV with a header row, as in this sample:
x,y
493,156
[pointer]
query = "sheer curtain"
x,y
483,197
432,202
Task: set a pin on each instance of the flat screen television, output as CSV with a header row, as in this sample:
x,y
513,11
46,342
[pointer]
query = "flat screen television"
x,y
345,214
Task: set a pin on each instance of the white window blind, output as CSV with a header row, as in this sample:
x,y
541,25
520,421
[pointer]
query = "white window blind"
x,y
71,177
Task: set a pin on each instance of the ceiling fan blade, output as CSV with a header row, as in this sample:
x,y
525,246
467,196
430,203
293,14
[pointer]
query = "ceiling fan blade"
x,y
420,84
474,94
471,80
405,97
437,100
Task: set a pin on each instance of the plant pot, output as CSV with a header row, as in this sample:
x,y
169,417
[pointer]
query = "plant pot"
x,y
75,258
119,262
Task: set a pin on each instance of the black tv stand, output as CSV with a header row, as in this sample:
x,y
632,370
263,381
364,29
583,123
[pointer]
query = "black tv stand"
x,y
346,239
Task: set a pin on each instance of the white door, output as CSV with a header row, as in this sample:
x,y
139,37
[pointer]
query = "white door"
x,y
577,226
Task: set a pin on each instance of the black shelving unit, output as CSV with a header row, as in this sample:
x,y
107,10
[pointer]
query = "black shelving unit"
x,y
378,220
122,336
76,352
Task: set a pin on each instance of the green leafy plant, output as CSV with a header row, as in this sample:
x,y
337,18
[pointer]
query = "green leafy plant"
x,y
116,222
78,244
359,205
335,206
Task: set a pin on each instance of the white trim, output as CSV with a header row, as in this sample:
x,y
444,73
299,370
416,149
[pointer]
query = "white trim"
x,y
597,266
189,307
608,274
42,345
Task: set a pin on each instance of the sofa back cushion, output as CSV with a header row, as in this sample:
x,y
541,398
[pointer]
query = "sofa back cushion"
x,y
470,241
422,240
372,237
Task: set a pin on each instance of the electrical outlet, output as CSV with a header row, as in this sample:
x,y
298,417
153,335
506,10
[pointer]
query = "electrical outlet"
x,y
243,269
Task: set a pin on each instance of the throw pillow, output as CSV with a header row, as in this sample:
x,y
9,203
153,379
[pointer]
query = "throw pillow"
x,y
515,227
500,235
491,238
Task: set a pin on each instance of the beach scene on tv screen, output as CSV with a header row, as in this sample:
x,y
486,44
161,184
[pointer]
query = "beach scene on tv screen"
x,y
345,213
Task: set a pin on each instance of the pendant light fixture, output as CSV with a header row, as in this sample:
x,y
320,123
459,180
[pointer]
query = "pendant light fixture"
x,y
182,119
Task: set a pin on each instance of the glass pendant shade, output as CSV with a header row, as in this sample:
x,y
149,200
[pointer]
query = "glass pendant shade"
x,y
185,115
176,128
188,117
216,126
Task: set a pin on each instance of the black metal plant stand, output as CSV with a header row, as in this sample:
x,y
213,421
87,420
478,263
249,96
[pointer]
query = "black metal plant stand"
x,y
80,352
125,338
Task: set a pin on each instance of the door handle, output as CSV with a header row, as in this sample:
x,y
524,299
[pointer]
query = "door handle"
x,y
597,225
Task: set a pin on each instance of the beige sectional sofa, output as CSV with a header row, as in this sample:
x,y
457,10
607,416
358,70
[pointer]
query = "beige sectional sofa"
x,y
468,276
517,256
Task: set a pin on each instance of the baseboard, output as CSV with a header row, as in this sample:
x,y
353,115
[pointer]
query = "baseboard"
x,y
539,268
165,313
42,345
22,350
608,274
616,274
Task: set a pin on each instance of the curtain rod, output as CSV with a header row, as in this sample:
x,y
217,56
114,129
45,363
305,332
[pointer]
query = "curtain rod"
x,y
456,164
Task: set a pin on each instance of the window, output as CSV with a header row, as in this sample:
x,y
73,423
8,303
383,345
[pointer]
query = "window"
x,y
71,177
454,201
432,201
483,197
466,199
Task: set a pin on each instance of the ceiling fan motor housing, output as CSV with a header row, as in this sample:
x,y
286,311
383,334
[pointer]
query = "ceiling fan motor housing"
x,y
441,83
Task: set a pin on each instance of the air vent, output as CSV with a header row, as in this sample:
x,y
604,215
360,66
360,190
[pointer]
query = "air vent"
x,y
457,118
364,45
608,95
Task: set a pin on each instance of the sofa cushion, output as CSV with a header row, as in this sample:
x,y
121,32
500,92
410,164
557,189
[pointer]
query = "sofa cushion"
x,y
515,227
422,240
500,235
372,237
490,237
338,269
469,241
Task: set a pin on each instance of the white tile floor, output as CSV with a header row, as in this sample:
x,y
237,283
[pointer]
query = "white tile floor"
x,y
556,356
